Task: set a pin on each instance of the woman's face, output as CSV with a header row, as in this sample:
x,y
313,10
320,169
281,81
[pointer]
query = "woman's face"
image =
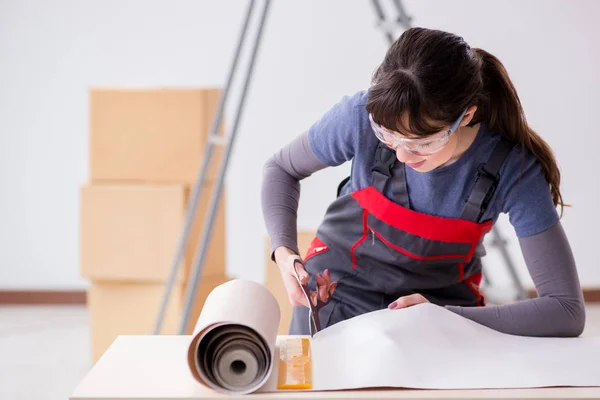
x,y
425,163
430,162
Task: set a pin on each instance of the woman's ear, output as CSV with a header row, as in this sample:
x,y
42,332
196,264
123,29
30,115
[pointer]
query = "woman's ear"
x,y
468,116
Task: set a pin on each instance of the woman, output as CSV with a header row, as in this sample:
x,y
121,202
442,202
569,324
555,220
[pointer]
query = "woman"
x,y
439,147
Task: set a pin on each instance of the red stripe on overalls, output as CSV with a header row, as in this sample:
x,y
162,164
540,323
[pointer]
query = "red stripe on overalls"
x,y
316,246
473,283
452,230
362,239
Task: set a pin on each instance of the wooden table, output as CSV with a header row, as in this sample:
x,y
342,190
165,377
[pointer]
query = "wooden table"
x,y
155,367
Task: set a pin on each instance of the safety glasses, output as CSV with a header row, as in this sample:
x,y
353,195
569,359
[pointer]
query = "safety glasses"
x,y
421,147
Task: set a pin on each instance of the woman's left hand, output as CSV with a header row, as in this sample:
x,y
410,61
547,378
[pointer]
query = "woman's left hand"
x,y
407,301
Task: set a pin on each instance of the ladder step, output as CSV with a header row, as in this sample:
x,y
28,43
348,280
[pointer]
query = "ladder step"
x,y
218,140
389,24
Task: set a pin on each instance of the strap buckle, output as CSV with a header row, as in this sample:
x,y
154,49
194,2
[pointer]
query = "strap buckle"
x,y
385,158
491,183
492,178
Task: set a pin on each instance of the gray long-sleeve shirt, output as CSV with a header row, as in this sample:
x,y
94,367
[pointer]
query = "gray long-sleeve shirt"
x,y
558,311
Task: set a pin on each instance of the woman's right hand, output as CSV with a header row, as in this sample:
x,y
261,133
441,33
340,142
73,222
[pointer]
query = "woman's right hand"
x,y
285,259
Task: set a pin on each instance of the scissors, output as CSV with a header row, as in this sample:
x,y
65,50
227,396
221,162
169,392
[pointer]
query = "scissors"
x,y
314,324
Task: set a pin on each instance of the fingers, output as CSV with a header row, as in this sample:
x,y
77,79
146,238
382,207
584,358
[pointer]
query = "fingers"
x,y
289,265
325,287
407,301
313,298
332,288
330,285
299,267
295,294
323,282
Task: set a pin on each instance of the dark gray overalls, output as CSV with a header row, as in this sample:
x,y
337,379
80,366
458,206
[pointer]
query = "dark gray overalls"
x,y
378,250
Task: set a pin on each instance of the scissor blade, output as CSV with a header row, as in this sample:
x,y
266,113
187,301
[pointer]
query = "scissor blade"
x,y
312,324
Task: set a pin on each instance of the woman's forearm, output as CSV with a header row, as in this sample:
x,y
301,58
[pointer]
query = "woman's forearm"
x,y
280,192
543,316
559,311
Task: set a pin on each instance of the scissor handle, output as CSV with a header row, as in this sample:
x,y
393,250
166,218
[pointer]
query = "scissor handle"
x,y
314,324
304,287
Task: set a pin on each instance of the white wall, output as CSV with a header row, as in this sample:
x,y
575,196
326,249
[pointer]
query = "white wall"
x,y
313,53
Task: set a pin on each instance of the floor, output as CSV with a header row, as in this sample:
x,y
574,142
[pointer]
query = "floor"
x,y
45,351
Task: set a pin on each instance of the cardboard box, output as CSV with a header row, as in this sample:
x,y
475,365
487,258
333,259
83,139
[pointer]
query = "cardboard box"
x,y
151,135
117,308
131,232
274,282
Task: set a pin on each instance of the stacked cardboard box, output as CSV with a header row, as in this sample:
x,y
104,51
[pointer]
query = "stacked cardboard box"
x,y
274,283
146,147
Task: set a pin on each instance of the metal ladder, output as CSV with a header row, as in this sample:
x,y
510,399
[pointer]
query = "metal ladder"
x,y
213,140
402,20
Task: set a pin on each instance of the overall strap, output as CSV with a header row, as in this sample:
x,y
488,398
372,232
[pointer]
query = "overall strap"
x,y
486,182
399,187
341,185
383,171
383,166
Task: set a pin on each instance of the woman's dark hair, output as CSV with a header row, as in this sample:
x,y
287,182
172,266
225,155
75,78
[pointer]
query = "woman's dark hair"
x,y
433,76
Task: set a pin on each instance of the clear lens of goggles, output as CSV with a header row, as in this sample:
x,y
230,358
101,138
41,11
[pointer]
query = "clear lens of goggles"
x,y
421,147
418,147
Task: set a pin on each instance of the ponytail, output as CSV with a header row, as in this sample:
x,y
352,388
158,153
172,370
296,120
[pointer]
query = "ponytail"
x,y
500,107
